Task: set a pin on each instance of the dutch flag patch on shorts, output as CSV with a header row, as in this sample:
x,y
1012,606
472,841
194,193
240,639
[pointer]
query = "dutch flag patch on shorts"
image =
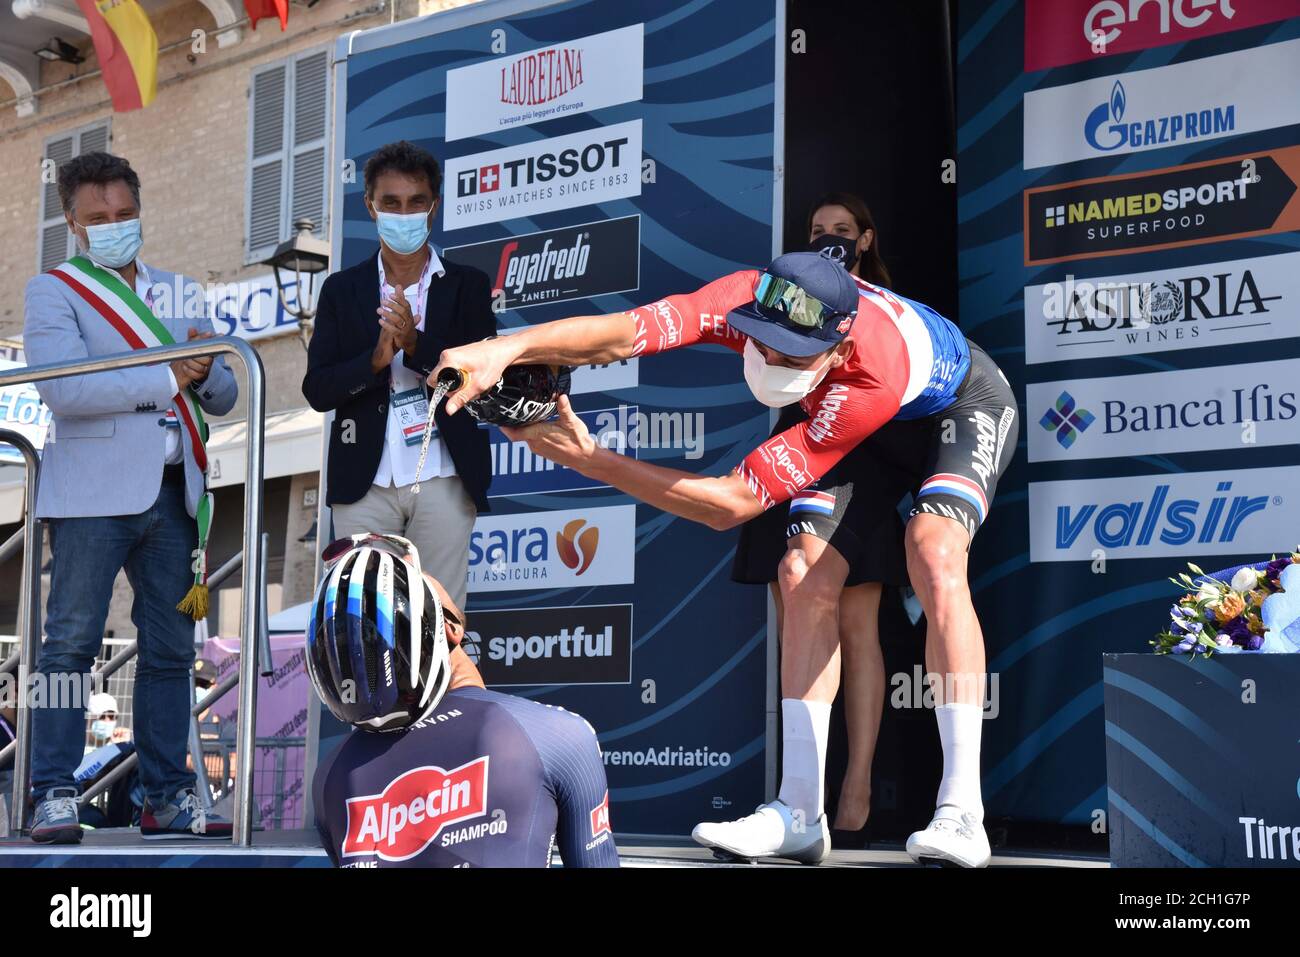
x,y
821,503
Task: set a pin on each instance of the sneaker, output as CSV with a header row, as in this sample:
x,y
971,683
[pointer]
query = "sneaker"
x,y
56,820
184,818
768,832
953,838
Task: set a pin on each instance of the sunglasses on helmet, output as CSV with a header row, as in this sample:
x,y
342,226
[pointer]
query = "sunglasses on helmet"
x,y
800,308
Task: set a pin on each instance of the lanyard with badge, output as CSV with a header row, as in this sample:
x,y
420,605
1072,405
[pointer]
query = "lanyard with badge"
x,y
410,405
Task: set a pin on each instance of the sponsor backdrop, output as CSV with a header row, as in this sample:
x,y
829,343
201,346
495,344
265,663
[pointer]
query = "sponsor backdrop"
x,y
1219,796
1127,252
598,156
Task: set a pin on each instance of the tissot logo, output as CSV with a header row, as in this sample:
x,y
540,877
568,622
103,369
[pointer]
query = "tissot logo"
x,y
541,176
585,644
1216,304
1183,205
559,265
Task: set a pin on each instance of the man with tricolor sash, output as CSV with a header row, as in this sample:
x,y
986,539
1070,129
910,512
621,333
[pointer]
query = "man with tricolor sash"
x,y
123,486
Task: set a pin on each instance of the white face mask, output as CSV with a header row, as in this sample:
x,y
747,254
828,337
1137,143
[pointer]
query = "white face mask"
x,y
777,386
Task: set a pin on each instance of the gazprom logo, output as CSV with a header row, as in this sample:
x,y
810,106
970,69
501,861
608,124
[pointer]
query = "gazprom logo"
x,y
1105,129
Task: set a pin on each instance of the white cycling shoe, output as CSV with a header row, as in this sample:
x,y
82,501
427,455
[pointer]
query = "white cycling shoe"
x,y
953,837
769,832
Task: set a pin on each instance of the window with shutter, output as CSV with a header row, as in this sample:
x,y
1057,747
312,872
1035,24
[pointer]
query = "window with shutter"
x,y
54,242
289,143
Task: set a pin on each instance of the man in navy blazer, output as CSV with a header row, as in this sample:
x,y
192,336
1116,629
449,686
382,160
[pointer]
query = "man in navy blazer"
x,y
380,326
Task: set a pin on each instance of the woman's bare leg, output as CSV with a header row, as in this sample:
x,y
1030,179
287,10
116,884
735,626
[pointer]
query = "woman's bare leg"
x,y
864,696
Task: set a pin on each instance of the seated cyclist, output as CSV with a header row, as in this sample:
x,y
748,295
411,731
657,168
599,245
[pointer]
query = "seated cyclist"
x,y
440,772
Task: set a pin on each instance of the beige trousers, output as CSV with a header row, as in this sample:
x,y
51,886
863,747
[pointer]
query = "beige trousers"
x,y
438,520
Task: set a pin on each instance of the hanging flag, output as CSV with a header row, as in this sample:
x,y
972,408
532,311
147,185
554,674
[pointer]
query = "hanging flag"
x,y
257,9
127,49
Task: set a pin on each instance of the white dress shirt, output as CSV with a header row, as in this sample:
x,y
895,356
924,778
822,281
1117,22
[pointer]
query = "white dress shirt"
x,y
408,404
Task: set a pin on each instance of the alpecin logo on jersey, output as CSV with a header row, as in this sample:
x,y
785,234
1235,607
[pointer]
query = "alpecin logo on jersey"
x,y
788,464
413,810
600,817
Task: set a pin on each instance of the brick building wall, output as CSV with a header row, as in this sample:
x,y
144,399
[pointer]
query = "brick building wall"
x,y
190,148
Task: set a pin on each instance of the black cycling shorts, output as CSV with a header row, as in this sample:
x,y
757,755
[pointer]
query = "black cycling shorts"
x,y
950,462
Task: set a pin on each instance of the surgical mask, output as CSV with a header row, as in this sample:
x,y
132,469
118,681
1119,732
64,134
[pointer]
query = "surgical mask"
x,y
102,729
403,232
777,386
113,244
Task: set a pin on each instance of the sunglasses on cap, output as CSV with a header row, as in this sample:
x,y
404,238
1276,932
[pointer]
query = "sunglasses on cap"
x,y
400,548
800,308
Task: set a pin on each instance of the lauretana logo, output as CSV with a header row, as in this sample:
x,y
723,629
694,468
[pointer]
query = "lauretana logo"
x,y
414,809
541,76
577,550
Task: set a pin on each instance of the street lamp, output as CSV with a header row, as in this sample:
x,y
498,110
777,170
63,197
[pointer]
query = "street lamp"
x,y
304,256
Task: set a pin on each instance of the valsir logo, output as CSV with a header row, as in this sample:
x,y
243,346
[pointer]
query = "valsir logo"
x,y
1163,516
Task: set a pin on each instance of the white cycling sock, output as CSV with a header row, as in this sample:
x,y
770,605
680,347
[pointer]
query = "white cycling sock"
x,y
959,733
806,725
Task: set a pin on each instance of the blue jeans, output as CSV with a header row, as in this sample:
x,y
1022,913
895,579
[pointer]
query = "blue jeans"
x,y
155,547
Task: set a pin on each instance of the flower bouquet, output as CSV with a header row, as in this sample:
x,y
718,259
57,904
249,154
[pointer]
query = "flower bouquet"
x,y
1246,608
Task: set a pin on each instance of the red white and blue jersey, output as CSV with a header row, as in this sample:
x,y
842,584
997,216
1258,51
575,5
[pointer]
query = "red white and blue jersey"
x,y
487,780
908,363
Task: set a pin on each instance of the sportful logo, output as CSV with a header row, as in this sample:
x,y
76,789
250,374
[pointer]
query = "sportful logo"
x,y
1066,420
577,551
1104,130
413,810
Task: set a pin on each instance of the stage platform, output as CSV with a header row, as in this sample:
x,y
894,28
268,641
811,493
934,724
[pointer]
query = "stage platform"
x,y
125,848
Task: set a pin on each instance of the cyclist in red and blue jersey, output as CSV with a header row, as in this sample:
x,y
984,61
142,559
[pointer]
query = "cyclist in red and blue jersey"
x,y
440,772
862,361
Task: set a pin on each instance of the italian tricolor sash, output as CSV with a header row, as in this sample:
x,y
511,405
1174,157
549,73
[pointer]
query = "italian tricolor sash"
x,y
135,322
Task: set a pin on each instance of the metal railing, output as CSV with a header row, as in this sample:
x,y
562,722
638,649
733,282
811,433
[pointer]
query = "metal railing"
x,y
251,597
